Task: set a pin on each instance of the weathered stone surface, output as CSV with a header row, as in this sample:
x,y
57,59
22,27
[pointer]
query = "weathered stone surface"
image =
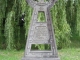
x,y
41,58
41,32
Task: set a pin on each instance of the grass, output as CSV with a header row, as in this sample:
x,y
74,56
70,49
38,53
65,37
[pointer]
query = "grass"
x,y
10,55
70,54
64,54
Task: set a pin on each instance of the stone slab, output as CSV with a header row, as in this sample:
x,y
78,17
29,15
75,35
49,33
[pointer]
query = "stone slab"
x,y
26,58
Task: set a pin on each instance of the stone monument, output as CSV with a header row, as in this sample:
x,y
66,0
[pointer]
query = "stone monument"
x,y
41,32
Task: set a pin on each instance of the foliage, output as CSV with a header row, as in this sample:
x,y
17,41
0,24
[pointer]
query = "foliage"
x,y
62,28
2,17
77,2
9,30
14,31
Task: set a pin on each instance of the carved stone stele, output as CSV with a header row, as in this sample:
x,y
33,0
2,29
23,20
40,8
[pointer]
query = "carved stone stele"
x,y
41,32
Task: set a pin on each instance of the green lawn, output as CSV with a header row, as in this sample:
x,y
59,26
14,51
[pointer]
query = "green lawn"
x,y
64,54
10,55
70,54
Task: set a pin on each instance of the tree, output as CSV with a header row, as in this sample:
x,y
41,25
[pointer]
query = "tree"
x,y
9,30
62,28
77,2
2,17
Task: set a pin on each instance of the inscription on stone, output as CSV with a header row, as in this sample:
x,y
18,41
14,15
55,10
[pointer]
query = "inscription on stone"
x,y
41,33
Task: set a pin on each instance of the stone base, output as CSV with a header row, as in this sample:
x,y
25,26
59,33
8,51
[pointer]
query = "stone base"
x,y
26,58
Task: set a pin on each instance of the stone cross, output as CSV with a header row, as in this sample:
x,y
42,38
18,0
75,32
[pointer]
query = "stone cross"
x,y
41,32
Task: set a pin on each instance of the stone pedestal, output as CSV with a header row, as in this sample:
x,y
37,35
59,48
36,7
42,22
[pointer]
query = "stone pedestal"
x,y
40,58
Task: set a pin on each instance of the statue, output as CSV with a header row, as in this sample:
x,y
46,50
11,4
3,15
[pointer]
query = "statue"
x,y
41,32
